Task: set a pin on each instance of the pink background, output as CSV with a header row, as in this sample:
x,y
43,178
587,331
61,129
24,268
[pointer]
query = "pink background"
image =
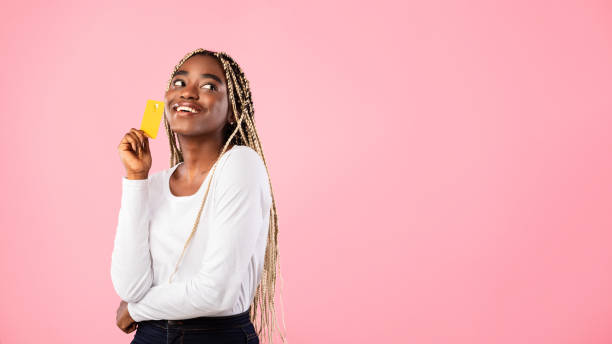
x,y
442,170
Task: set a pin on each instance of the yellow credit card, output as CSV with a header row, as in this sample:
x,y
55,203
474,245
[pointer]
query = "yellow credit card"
x,y
152,117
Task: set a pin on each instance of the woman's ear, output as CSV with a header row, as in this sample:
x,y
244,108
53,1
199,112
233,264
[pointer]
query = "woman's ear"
x,y
230,114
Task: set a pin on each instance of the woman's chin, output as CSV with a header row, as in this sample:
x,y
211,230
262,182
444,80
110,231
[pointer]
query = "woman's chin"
x,y
189,130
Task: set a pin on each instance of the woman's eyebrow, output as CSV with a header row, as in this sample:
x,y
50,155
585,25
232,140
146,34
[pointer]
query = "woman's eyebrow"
x,y
205,75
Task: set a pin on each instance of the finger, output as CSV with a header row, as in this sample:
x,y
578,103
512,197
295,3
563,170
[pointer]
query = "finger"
x,y
144,133
141,137
146,139
136,134
132,327
128,139
125,143
133,142
146,143
124,328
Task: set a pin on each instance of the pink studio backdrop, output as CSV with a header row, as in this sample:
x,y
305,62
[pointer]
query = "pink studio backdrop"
x,y
442,169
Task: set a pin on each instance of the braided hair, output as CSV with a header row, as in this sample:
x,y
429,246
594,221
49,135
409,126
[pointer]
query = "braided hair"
x,y
241,131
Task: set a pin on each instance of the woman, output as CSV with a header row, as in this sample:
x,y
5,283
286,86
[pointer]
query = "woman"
x,y
211,291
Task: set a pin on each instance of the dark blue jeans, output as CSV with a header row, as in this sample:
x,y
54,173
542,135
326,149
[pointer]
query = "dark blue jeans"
x,y
229,329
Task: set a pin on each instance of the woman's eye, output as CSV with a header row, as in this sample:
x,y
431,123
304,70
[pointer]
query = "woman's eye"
x,y
212,87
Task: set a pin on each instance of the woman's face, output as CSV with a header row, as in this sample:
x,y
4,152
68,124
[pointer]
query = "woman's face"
x,y
200,86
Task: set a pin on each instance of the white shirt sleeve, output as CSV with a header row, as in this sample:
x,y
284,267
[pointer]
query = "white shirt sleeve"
x,y
131,265
241,203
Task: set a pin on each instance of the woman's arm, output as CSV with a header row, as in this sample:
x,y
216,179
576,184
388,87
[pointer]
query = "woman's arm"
x,y
241,208
131,267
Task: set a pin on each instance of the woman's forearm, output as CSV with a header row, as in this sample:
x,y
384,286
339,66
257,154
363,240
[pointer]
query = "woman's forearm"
x,y
131,266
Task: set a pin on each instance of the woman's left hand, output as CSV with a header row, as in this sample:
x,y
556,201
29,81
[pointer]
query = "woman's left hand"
x,y
124,320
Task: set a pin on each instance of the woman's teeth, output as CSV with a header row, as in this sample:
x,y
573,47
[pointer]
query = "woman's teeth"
x,y
186,108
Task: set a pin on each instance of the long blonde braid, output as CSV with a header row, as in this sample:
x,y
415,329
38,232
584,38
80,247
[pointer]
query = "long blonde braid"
x,y
242,105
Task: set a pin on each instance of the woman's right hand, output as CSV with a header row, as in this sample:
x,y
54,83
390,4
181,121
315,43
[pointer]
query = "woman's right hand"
x,y
135,154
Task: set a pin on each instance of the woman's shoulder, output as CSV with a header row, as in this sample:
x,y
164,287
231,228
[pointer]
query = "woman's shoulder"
x,y
243,163
245,154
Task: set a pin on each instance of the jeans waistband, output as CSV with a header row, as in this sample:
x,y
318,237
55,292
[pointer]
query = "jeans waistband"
x,y
211,322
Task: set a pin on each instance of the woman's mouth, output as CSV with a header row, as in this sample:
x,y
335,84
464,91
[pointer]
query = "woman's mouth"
x,y
186,110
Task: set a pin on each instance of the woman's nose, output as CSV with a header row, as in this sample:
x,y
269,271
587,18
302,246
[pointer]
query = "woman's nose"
x,y
189,92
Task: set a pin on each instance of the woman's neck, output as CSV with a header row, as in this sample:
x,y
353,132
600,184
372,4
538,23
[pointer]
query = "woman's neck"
x,y
198,158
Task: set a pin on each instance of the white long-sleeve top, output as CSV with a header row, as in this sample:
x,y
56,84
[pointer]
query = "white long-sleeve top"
x,y
223,263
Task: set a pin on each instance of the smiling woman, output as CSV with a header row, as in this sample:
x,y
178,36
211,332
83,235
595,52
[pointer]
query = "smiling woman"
x,y
223,281
192,107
